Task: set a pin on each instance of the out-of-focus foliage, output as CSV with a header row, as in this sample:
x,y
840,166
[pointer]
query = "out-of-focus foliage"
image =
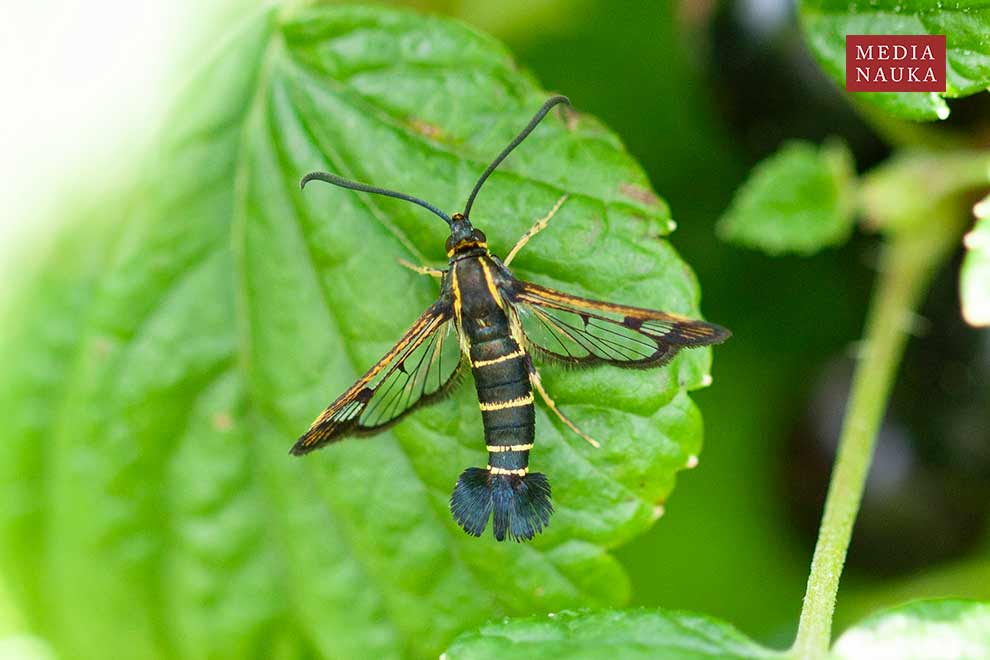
x,y
975,273
967,22
921,631
800,200
905,191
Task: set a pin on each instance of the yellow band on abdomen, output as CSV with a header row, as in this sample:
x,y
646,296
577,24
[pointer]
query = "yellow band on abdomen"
x,y
502,405
521,472
495,449
502,358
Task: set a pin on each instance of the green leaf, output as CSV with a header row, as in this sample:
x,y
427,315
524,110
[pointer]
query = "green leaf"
x,y
43,321
966,24
801,199
156,388
924,630
608,635
974,279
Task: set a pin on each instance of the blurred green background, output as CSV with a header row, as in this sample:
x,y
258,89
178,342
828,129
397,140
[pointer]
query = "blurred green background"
x,y
699,91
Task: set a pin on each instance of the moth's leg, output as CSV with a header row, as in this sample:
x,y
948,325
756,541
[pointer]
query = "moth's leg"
x,y
534,378
422,270
537,227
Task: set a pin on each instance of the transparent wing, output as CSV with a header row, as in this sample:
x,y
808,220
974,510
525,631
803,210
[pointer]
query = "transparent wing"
x,y
579,331
420,368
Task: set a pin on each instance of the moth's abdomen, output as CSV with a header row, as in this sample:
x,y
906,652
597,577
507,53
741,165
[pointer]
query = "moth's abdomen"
x,y
505,397
518,502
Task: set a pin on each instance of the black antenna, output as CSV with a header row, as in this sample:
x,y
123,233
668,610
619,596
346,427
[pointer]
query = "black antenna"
x,y
537,118
363,187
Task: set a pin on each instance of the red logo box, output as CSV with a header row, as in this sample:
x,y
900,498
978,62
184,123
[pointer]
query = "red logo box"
x,y
895,63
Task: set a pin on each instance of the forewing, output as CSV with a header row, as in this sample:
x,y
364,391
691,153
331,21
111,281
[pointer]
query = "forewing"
x,y
581,331
420,368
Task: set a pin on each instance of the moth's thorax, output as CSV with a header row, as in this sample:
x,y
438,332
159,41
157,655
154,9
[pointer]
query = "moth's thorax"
x,y
478,303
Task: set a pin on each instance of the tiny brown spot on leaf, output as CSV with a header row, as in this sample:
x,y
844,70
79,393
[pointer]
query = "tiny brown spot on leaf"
x,y
102,347
222,421
639,194
426,129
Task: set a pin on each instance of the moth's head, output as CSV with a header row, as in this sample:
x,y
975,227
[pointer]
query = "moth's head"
x,y
464,237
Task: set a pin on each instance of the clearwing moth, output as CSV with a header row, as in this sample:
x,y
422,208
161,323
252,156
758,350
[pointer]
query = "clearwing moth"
x,y
495,324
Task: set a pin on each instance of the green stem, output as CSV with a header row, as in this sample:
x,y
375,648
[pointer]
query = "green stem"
x,y
909,260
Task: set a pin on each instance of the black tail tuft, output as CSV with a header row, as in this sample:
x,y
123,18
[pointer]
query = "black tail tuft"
x,y
521,505
471,502
531,507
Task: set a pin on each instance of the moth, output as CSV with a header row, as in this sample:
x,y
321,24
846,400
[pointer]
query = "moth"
x,y
488,321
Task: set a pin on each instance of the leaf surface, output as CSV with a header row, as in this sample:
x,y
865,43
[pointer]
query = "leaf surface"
x,y
153,415
608,635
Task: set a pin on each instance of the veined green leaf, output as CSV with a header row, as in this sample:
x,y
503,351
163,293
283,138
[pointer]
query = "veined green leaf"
x,y
965,22
155,390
